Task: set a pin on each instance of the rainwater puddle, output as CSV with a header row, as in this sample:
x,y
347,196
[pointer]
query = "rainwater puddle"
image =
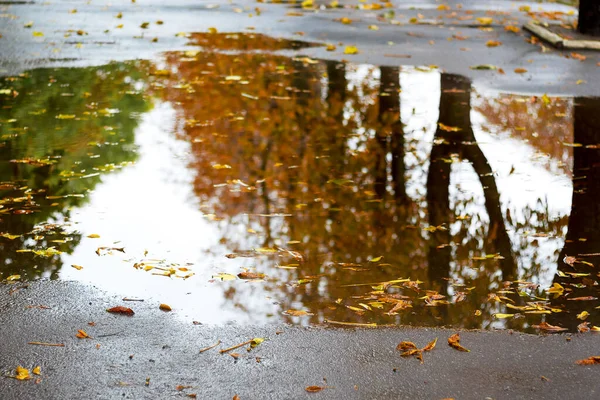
x,y
246,187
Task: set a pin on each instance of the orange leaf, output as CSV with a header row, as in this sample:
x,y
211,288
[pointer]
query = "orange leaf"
x,y
454,342
550,328
314,389
121,310
589,361
81,334
520,70
165,307
430,346
403,346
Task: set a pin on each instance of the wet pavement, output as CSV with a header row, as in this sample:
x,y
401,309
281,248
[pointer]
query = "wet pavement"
x,y
443,176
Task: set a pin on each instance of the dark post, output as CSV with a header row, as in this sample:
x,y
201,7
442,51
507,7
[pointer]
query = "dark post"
x,y
589,17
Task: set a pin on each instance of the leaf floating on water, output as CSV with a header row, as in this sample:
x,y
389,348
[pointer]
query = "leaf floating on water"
x,y
49,252
13,278
297,313
101,251
583,315
165,307
9,236
314,389
589,361
502,316
251,275
454,342
376,259
544,326
121,310
448,128
224,276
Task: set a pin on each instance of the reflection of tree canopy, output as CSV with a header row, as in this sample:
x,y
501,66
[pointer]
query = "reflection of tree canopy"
x,y
60,130
321,145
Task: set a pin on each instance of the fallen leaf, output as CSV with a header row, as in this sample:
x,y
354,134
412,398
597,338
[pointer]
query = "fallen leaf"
x,y
121,310
224,277
165,307
22,373
493,43
314,389
376,259
251,275
550,328
520,70
502,316
578,56
485,20
297,313
454,342
77,267
81,334
484,67
448,128
37,370
583,315
93,236
403,346
351,50
430,346
589,361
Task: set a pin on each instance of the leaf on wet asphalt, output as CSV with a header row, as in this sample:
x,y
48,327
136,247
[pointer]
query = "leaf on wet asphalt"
x,y
22,373
485,20
454,342
520,70
484,67
583,315
589,361
430,346
165,307
350,50
403,346
13,278
578,56
583,327
251,275
493,43
81,334
37,370
314,389
544,326
121,310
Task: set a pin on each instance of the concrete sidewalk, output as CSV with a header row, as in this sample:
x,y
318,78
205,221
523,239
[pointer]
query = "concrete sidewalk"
x,y
125,352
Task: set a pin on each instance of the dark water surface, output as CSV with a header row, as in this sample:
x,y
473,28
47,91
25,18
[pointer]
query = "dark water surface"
x,y
349,193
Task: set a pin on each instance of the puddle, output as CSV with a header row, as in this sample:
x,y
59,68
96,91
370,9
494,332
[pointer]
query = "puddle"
x,y
253,188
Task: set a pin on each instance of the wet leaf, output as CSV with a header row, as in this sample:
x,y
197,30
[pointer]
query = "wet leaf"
x,y
77,267
403,346
502,316
454,342
165,307
583,315
121,310
376,259
350,50
485,20
37,370
544,326
224,276
22,373
589,361
314,389
493,43
81,334
448,128
93,236
297,313
13,278
520,70
430,346
251,275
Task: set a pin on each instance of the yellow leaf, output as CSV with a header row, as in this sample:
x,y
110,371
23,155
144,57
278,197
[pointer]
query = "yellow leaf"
x,y
525,8
13,278
430,346
93,236
583,315
37,34
345,20
221,166
307,4
165,307
351,50
448,128
485,20
77,267
22,373
81,334
376,259
502,316
373,27
225,277
37,370
65,116
493,43
330,47
212,30
512,28
443,7
297,313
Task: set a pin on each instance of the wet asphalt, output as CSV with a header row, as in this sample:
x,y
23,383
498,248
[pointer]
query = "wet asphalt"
x,y
155,354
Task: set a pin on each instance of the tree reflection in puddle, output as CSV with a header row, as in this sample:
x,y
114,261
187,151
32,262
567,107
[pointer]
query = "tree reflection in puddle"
x,y
360,205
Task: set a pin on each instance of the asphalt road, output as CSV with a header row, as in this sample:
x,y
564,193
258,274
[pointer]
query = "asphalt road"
x,y
77,32
164,347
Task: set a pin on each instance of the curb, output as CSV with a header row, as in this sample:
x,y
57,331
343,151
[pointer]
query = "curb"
x,y
558,41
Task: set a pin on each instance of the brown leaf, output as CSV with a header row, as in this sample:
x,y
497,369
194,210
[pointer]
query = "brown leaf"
x,y
544,326
454,342
520,70
314,389
403,346
430,346
236,397
165,307
121,310
251,275
81,334
589,361
583,327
